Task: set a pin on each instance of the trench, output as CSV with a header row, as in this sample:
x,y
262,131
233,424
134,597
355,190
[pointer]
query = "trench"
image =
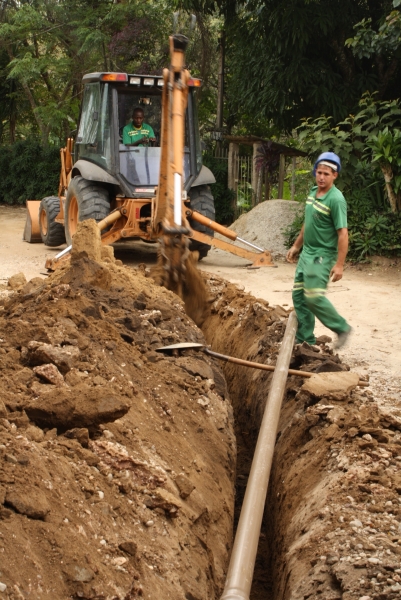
x,y
246,435
258,336
248,328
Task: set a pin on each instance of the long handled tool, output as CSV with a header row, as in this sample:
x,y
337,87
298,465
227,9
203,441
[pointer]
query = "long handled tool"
x,y
174,348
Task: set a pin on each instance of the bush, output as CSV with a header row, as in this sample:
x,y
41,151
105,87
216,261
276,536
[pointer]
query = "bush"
x,y
223,197
372,135
28,171
292,231
373,228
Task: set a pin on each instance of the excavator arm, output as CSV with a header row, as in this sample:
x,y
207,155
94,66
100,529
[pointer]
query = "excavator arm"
x,y
169,215
169,222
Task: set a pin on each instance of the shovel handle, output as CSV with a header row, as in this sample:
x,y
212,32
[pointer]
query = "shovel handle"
x,y
255,365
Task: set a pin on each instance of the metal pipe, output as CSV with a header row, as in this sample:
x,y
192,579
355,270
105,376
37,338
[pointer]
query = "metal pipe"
x,y
242,562
249,244
63,252
196,216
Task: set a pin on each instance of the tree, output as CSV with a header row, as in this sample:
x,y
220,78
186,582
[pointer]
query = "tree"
x,y
50,45
288,59
381,46
370,137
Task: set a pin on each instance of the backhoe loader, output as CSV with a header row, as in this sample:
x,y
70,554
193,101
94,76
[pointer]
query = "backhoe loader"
x,y
158,191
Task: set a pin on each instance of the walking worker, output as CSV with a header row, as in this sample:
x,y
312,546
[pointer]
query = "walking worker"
x,y
324,243
138,133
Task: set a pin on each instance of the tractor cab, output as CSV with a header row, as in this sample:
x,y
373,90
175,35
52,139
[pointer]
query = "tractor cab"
x,y
108,104
134,184
99,172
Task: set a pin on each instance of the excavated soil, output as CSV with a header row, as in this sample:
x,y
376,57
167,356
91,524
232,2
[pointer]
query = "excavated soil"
x,y
332,526
118,463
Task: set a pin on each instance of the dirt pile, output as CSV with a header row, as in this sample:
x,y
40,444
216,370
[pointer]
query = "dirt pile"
x,y
337,496
117,463
333,515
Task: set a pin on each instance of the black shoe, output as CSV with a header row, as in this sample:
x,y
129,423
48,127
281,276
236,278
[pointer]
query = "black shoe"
x,y
342,339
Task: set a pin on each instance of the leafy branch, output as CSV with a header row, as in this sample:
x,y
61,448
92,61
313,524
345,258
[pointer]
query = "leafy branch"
x,y
373,135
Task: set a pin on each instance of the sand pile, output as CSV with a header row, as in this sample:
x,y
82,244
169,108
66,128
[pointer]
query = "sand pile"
x,y
264,225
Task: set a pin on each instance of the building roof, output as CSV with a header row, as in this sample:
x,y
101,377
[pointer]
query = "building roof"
x,y
249,140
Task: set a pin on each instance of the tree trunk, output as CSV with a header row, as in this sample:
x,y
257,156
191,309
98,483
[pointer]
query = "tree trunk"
x,y
220,89
44,129
388,176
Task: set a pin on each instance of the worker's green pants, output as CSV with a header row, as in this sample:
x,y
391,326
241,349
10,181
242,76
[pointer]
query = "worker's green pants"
x,y
309,297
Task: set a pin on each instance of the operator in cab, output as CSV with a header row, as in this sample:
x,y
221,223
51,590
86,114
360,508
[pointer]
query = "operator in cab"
x,y
138,133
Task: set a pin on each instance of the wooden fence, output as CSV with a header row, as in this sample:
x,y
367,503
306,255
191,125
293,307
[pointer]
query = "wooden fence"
x,y
250,184
243,178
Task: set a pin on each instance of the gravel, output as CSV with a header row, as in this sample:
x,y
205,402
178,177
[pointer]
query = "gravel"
x,y
264,225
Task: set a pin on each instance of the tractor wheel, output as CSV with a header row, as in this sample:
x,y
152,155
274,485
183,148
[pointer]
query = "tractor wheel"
x,y
85,200
52,233
201,199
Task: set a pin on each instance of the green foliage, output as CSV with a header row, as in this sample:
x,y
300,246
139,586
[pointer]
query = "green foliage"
x,y
223,197
373,228
303,183
370,135
386,151
384,41
29,171
287,60
244,198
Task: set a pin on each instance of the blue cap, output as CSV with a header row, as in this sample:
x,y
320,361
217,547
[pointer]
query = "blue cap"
x,y
330,157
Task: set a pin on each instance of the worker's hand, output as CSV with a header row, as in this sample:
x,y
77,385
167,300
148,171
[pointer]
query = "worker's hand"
x,y
336,273
292,254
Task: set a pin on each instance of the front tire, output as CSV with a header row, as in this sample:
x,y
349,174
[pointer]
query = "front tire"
x,y
52,233
201,199
85,200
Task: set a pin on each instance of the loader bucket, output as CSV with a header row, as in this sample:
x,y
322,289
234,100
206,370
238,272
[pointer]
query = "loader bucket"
x,y
32,230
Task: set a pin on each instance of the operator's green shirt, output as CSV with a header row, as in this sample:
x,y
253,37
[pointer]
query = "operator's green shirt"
x,y
323,216
132,134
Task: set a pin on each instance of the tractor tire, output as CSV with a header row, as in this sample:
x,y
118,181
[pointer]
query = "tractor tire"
x,y
52,233
201,199
85,200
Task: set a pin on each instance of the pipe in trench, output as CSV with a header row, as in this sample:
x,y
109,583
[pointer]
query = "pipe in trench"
x,y
243,556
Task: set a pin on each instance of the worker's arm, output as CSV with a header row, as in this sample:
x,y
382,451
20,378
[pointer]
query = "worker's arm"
x,y
143,140
296,247
336,272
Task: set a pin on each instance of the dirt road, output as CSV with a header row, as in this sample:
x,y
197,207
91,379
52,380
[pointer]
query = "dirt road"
x,y
368,295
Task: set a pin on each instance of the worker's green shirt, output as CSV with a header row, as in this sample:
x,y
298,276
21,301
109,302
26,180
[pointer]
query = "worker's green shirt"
x,y
323,216
132,134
